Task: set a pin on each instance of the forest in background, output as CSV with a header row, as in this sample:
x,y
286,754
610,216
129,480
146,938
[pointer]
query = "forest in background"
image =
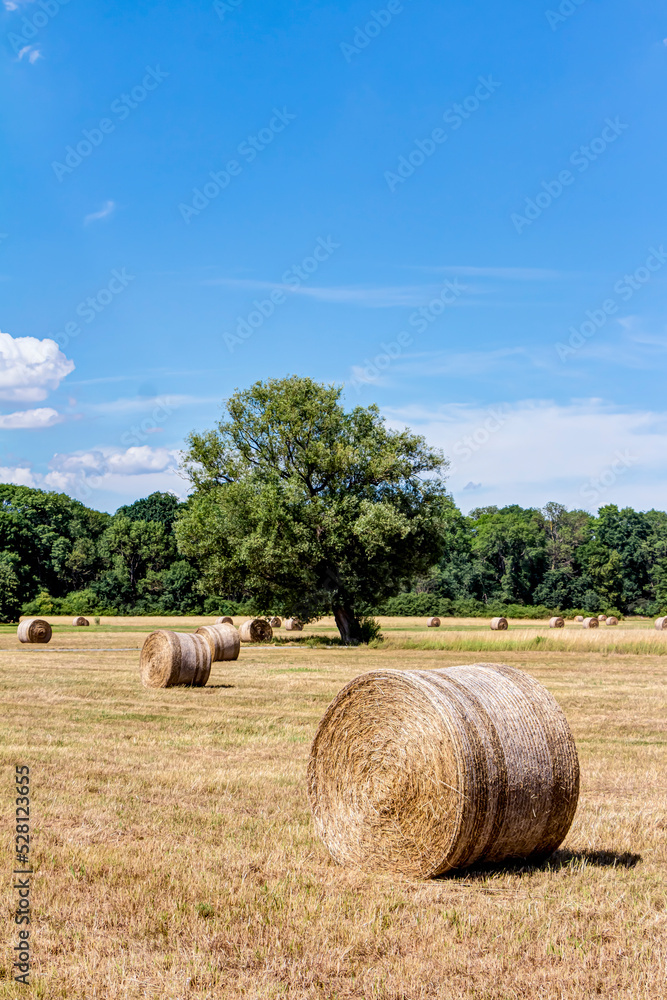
x,y
58,556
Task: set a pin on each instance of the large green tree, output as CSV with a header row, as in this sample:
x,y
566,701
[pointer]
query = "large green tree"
x,y
310,509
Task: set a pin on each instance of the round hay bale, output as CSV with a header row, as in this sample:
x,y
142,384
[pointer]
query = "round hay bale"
x,y
293,625
80,620
612,620
256,630
34,630
417,772
557,622
499,624
225,620
171,658
433,623
579,618
661,624
224,641
275,622
591,623
602,618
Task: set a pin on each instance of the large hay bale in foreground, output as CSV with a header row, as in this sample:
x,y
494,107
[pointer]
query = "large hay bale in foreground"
x,y
225,620
224,641
256,630
34,630
293,625
661,624
579,618
433,623
499,624
612,620
591,623
172,658
80,620
557,622
417,772
275,622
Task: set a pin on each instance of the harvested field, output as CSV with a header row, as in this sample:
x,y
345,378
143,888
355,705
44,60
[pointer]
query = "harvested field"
x,y
175,855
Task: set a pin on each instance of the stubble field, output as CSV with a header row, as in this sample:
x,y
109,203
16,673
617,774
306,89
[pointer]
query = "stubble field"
x,y
175,856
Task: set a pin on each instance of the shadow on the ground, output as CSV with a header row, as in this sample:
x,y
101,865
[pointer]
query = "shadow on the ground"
x,y
220,685
574,860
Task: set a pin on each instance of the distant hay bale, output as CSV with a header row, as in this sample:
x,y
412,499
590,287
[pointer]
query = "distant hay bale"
x,y
293,625
275,622
172,658
256,630
225,620
499,624
602,618
612,620
661,624
418,772
224,641
557,622
433,623
591,623
579,618
34,630
80,620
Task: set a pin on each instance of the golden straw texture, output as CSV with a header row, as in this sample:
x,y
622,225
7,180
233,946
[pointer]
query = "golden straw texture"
x,y
417,772
499,624
433,623
34,630
171,658
293,625
556,622
224,641
256,630
225,620
591,623
80,620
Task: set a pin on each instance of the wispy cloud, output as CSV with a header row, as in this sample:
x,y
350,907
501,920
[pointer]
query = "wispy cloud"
x,y
506,273
32,52
30,419
382,297
107,209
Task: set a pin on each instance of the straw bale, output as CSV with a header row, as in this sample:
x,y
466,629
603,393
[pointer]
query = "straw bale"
x,y
293,625
661,624
256,630
433,623
275,622
579,618
34,630
499,624
612,620
602,618
591,623
172,658
557,622
80,620
418,772
224,641
225,620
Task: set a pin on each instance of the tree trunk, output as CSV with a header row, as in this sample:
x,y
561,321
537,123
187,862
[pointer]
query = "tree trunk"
x,y
346,623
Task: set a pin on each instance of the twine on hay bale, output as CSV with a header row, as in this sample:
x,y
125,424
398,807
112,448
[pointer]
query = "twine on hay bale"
x,y
433,623
225,620
661,624
418,772
293,625
275,622
256,630
579,618
591,623
224,641
499,624
172,658
80,620
612,620
557,622
34,630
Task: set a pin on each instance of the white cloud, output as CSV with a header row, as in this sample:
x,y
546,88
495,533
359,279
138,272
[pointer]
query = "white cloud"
x,y
382,297
30,419
105,461
19,475
29,367
32,52
107,209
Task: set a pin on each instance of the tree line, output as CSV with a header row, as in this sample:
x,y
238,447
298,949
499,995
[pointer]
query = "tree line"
x,y
301,507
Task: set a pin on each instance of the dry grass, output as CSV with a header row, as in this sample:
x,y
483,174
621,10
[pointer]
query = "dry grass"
x,y
176,858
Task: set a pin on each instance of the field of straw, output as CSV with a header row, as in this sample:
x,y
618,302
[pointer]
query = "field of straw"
x,y
175,855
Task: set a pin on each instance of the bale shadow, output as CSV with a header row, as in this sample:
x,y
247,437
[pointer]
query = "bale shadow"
x,y
220,685
574,860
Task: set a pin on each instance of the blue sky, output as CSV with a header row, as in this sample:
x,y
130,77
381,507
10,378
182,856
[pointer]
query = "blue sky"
x,y
457,210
